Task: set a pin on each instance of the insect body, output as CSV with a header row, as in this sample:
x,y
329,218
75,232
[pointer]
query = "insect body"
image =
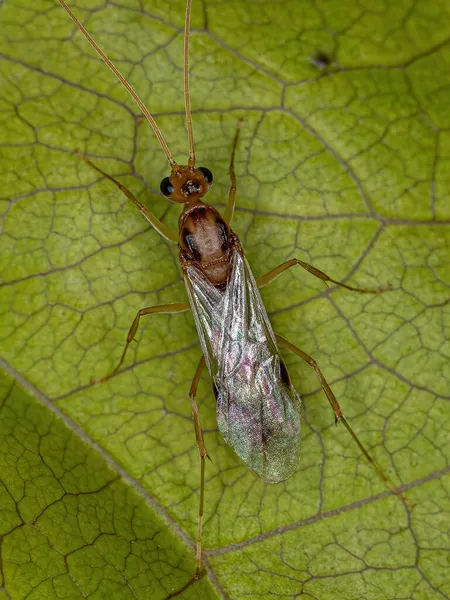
x,y
257,407
258,410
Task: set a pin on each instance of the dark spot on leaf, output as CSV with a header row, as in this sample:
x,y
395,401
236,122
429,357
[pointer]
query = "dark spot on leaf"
x,y
321,60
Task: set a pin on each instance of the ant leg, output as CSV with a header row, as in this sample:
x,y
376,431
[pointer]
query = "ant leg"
x,y
178,307
203,455
229,210
339,417
160,227
274,273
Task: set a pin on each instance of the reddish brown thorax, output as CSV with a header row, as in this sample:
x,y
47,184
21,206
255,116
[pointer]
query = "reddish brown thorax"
x,y
205,241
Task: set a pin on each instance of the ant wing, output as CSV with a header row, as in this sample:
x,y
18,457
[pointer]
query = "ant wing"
x,y
258,410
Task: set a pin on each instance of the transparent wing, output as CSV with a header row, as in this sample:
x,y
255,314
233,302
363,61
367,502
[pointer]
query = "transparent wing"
x,y
258,411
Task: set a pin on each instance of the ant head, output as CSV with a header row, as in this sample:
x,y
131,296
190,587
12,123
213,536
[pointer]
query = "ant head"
x,y
186,184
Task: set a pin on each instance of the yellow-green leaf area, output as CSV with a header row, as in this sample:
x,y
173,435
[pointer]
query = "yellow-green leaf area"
x,y
342,162
71,527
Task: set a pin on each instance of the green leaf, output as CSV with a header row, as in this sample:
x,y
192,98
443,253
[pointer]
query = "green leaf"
x,y
344,167
70,526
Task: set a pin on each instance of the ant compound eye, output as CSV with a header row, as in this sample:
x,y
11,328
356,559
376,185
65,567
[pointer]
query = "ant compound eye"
x,y
206,174
166,187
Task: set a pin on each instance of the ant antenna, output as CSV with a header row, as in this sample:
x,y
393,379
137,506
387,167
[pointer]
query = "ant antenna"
x,y
129,89
187,99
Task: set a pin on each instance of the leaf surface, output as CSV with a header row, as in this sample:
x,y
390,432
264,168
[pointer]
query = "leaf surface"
x,y
343,162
